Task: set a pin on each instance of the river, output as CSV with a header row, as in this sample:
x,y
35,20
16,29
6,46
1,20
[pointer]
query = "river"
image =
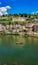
x,y
23,53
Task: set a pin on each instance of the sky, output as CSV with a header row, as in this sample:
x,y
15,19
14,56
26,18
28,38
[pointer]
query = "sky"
x,y
18,6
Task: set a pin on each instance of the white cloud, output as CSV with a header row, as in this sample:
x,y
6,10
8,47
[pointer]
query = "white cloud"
x,y
8,7
5,13
0,13
3,10
35,12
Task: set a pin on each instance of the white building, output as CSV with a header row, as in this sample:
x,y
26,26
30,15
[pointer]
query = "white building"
x,y
23,19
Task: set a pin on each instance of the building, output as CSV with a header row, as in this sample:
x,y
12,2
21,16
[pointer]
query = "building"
x,y
35,27
16,19
29,26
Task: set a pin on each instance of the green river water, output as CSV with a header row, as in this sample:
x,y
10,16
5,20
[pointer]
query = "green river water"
x,y
18,50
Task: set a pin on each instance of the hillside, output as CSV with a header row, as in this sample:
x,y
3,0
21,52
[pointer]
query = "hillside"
x,y
19,18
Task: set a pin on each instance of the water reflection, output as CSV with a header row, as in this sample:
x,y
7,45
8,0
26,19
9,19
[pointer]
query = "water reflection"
x,y
19,49
18,41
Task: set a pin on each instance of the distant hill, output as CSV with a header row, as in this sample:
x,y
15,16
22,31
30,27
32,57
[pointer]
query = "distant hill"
x,y
28,18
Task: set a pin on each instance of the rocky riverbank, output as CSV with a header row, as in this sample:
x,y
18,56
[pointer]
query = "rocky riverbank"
x,y
19,30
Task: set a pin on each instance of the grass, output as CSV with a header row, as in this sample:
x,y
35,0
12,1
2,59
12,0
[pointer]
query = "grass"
x,y
5,22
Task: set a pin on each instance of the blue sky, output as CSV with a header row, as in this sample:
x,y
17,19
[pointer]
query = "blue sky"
x,y
20,6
